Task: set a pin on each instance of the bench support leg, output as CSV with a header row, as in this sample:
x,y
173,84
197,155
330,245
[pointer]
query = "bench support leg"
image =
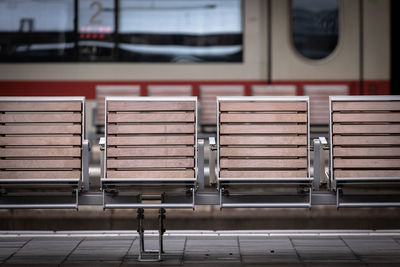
x,y
161,231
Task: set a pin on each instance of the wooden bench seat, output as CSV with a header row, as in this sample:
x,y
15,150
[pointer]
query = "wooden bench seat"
x,y
111,90
208,100
169,90
262,140
274,90
151,140
365,134
319,100
42,140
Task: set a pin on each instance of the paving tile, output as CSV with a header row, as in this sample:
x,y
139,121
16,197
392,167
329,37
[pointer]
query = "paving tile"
x,y
373,246
203,251
43,252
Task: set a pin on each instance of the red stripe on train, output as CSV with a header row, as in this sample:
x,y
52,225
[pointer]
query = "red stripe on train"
x,y
87,88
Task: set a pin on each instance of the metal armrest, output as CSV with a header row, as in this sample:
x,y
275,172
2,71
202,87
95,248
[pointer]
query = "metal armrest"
x,y
319,161
102,144
212,160
200,164
213,145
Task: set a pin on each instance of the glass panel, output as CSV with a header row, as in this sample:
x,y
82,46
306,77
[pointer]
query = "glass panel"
x,y
180,31
315,27
36,30
96,30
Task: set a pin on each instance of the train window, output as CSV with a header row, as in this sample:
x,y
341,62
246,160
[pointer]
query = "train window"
x,y
315,27
180,31
36,30
121,30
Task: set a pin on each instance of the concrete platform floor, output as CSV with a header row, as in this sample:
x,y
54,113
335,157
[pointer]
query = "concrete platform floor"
x,y
204,248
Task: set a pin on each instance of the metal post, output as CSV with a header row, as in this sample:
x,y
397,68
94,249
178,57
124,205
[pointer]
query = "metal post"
x,y
161,231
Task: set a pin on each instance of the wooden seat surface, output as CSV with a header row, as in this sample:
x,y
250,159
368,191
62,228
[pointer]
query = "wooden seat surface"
x,y
111,90
319,100
41,138
169,90
208,99
273,90
149,138
365,137
263,137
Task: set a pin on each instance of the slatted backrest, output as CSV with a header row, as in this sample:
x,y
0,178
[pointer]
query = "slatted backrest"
x,y
208,99
263,137
273,90
365,134
151,137
169,90
319,100
41,137
111,90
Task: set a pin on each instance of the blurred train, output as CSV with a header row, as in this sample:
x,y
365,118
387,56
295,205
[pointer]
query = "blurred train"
x,y
68,47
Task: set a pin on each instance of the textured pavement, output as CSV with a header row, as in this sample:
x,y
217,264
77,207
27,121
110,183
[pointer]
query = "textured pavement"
x,y
310,248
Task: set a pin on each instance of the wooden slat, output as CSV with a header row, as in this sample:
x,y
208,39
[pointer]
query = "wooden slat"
x,y
366,173
169,90
263,174
41,152
365,105
151,163
366,151
263,129
40,141
366,140
150,151
39,174
263,140
42,129
263,163
43,117
40,106
152,117
151,174
366,163
273,90
366,129
151,105
263,152
150,140
37,164
159,128
366,117
234,117
263,106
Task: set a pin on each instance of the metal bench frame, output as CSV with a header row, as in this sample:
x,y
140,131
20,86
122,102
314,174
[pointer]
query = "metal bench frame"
x,y
49,201
364,200
135,200
259,201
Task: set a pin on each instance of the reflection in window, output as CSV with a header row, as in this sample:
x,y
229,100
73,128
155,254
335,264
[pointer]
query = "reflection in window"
x,y
96,30
36,30
180,31
315,27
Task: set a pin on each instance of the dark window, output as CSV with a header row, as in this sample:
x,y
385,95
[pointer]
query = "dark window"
x,y
121,30
315,27
180,30
36,30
